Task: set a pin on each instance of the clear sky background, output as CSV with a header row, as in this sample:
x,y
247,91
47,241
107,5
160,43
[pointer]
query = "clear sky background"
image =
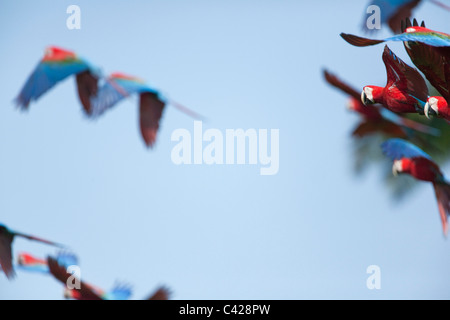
x,y
210,232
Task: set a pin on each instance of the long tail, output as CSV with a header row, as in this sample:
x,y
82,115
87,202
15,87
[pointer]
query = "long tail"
x,y
443,198
440,4
186,110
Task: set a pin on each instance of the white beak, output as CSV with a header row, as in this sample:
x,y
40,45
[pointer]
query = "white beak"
x,y
397,168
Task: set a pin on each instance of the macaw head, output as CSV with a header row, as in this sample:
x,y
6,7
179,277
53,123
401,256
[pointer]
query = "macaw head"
x,y
435,106
58,54
367,96
402,166
71,294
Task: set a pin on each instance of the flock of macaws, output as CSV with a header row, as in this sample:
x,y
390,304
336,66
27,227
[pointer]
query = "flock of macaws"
x,y
384,109
58,268
96,92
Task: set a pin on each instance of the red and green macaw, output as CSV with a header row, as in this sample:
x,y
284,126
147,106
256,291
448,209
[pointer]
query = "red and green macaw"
x,y
151,105
434,62
90,292
7,237
409,159
405,92
376,118
28,262
57,65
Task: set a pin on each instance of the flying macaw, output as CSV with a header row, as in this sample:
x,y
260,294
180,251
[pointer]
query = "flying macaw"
x,y
434,62
375,118
414,33
89,292
30,263
409,159
394,11
57,65
152,102
6,239
405,92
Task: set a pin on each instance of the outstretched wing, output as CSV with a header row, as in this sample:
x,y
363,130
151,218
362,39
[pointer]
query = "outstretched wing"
x,y
341,85
87,85
56,66
120,292
6,256
404,77
422,35
151,109
33,238
161,294
404,10
115,88
397,149
60,273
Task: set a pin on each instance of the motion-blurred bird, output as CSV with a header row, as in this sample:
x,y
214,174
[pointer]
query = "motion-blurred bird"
x,y
57,65
89,292
151,105
376,118
409,159
28,262
6,239
405,92
394,11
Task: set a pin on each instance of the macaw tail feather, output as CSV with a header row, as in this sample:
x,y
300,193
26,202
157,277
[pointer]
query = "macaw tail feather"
x,y
440,4
359,41
186,110
443,198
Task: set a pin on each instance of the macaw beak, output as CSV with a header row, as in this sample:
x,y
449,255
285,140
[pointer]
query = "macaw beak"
x,y
429,110
364,99
397,168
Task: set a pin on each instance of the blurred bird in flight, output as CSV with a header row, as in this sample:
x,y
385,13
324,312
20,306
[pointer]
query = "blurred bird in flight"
x,y
7,237
90,292
409,159
394,11
57,65
152,102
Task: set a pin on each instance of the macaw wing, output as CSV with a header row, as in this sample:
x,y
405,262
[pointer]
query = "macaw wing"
x,y
432,64
397,149
33,238
45,76
59,272
410,124
404,77
430,37
151,109
404,10
67,259
160,294
120,292
87,85
6,256
338,83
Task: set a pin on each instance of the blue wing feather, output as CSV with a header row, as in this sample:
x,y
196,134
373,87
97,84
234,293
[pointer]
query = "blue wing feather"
x,y
45,76
113,91
431,39
397,149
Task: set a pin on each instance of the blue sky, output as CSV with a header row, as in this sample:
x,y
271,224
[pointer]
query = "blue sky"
x,y
210,232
